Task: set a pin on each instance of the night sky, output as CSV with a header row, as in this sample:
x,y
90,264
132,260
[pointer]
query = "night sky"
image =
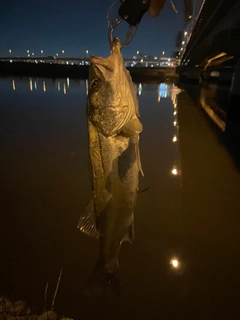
x,y
77,26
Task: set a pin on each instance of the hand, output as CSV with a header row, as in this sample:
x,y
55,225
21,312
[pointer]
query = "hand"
x,y
155,7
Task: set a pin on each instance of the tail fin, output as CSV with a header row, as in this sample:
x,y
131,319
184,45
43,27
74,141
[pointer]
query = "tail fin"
x,y
102,282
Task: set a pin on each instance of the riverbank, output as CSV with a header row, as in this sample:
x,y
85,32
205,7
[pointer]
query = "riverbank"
x,y
20,310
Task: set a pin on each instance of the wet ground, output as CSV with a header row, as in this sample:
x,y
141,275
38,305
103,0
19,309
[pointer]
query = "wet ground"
x,y
190,213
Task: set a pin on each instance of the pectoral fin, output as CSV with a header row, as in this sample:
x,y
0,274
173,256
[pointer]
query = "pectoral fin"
x,y
133,127
129,236
138,159
87,222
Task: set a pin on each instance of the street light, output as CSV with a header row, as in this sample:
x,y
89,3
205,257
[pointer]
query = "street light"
x,y
41,51
163,53
28,51
63,51
137,52
10,51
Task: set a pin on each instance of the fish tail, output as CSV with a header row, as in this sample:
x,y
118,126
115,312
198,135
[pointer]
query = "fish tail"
x,y
101,282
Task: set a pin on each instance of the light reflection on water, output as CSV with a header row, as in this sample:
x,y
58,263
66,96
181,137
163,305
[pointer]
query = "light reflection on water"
x,y
39,84
163,90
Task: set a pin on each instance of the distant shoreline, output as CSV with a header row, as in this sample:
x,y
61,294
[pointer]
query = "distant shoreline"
x,y
79,71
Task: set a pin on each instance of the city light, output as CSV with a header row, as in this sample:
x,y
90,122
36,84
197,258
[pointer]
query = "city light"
x,y
185,33
174,171
163,90
137,52
174,139
174,263
30,84
13,85
141,58
183,42
86,84
139,89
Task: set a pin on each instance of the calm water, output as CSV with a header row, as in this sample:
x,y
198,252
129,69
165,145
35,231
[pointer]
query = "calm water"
x,y
190,212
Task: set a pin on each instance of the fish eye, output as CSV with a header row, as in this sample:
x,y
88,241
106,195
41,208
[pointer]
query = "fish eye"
x,y
94,84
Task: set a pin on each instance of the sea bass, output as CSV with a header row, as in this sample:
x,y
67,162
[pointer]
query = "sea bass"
x,y
113,130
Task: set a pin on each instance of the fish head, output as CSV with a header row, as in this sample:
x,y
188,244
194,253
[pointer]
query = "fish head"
x,y
110,102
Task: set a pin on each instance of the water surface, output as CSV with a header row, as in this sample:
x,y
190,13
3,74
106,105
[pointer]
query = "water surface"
x,y
190,212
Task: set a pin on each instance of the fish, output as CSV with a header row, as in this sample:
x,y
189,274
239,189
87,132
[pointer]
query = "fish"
x,y
114,125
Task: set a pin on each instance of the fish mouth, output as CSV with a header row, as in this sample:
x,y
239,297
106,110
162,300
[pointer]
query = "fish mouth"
x,y
116,55
115,51
116,44
111,63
